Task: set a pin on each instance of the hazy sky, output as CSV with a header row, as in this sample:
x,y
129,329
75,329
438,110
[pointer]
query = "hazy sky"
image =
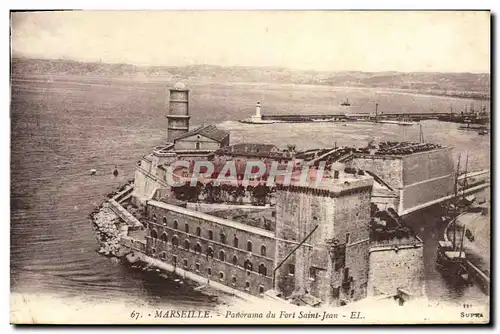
x,y
336,41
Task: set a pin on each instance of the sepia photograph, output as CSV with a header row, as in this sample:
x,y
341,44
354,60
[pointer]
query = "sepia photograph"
x,y
300,167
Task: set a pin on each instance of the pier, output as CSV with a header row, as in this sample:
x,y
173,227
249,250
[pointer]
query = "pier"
x,y
462,117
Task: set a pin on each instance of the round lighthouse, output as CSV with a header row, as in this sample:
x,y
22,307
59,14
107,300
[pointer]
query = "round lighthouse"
x,y
178,111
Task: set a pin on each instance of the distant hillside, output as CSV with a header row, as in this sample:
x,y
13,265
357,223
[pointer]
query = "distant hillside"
x,y
470,85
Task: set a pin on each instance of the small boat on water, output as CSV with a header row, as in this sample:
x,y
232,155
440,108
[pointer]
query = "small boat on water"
x,y
452,262
482,132
345,103
474,127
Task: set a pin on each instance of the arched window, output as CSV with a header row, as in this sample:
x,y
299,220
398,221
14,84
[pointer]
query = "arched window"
x,y
261,289
235,260
198,231
153,252
222,256
222,238
235,242
185,263
154,217
210,252
163,256
248,265
249,246
210,235
164,220
263,250
221,275
164,237
234,280
262,269
186,228
247,286
175,241
187,244
176,224
197,248
209,271
154,234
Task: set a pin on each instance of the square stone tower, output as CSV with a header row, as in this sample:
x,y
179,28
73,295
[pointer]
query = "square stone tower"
x,y
322,238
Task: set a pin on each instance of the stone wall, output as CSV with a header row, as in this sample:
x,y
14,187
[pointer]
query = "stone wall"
x,y
343,220
425,192
189,238
297,214
352,217
389,169
423,166
391,268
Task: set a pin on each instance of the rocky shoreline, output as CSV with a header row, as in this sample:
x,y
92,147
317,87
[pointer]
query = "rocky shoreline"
x,y
109,228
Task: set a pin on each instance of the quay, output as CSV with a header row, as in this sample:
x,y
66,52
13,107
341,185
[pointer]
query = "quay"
x,y
467,117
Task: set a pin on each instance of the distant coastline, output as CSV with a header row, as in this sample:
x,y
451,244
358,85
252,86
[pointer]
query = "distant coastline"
x,y
456,85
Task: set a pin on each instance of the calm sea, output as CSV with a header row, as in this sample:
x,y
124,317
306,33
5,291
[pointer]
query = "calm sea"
x,y
63,127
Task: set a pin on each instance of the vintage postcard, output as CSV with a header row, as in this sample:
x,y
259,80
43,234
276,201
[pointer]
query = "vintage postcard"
x,y
250,167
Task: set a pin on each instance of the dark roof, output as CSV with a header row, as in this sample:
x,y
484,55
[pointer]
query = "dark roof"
x,y
209,131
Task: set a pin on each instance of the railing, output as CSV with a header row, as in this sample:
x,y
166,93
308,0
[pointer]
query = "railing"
x,y
123,213
123,194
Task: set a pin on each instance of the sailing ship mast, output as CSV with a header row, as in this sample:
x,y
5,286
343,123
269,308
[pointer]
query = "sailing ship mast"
x,y
457,173
461,249
421,135
465,175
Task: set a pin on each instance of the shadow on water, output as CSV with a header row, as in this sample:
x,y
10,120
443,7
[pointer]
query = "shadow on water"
x,y
162,287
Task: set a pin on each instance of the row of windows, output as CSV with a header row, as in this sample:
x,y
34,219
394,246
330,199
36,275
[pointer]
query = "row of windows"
x,y
185,263
222,236
210,253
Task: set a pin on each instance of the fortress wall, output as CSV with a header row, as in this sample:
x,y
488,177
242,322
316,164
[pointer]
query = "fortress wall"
x,y
205,226
422,193
383,203
297,215
389,169
286,229
352,216
337,218
390,269
427,165
200,264
357,261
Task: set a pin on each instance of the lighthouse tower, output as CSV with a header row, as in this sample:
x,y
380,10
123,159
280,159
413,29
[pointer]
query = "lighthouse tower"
x,y
178,111
257,117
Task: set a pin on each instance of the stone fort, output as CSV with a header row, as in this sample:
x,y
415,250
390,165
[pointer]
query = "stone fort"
x,y
317,244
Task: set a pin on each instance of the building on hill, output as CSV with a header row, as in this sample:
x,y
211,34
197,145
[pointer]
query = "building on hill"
x,y
204,138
